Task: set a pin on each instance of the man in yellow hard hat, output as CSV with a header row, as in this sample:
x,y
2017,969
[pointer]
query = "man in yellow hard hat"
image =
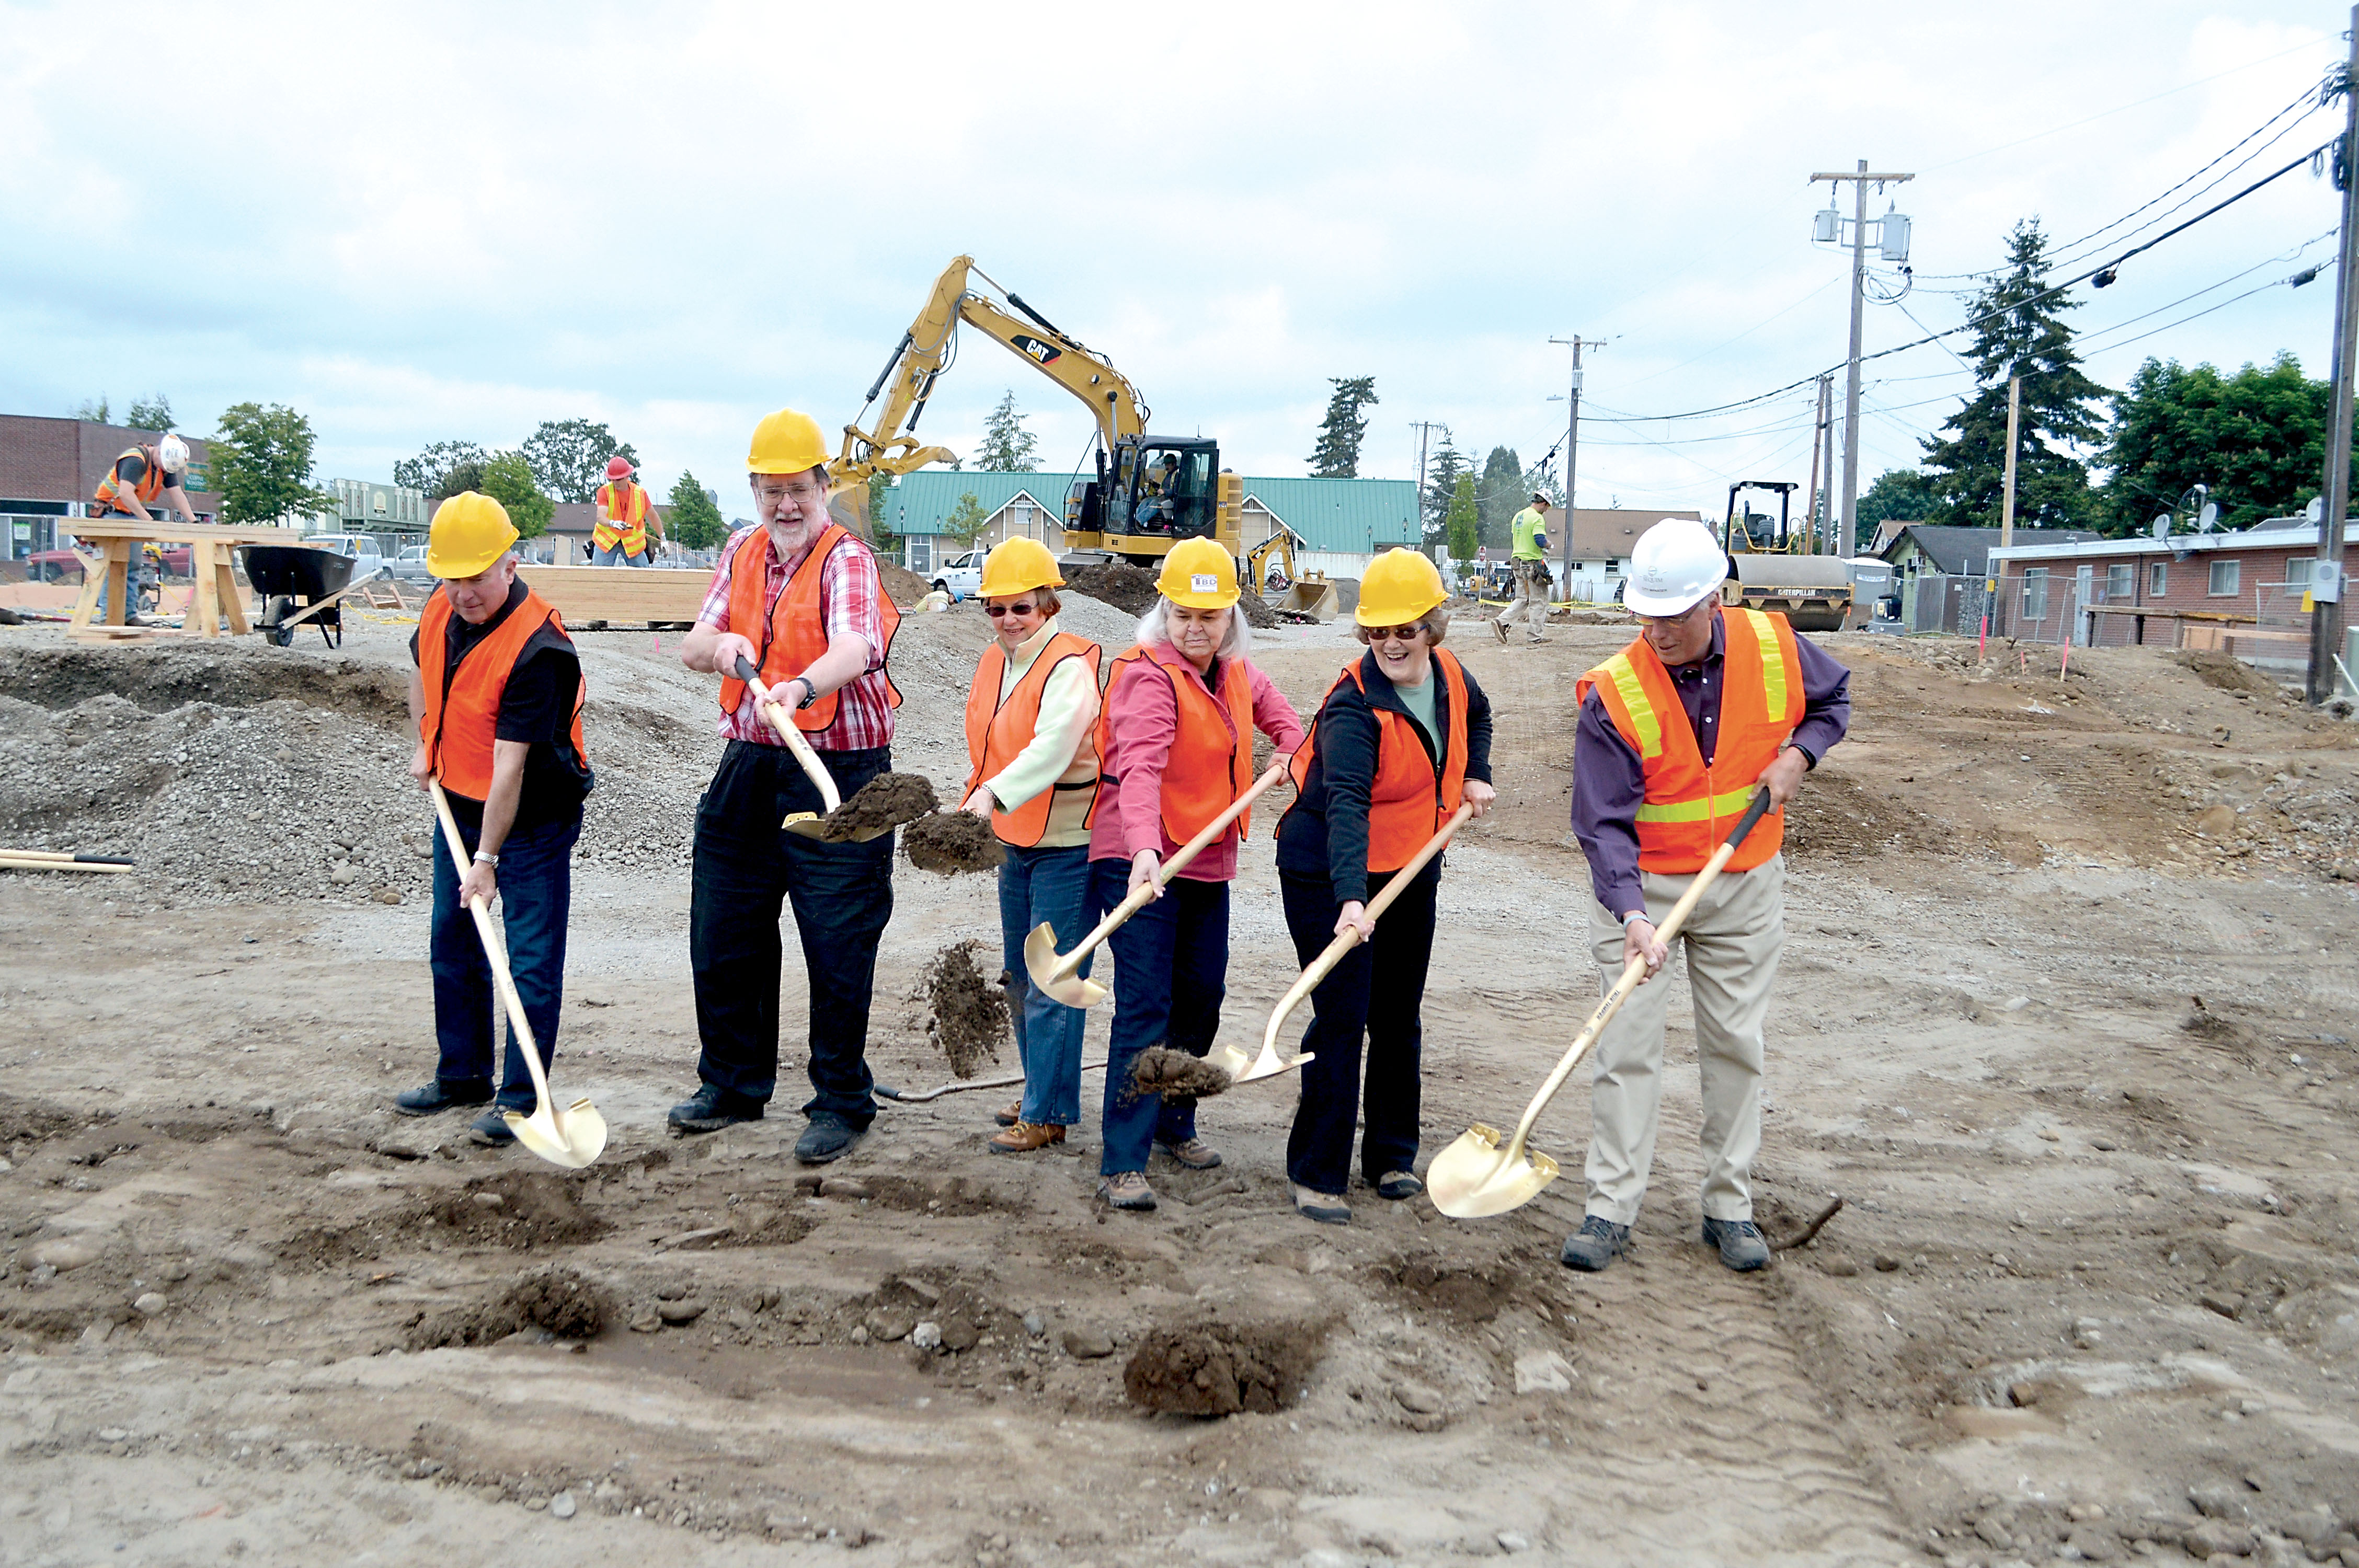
x,y
797,597
496,694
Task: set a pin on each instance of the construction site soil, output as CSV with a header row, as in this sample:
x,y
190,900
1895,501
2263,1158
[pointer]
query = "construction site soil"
x,y
2094,1292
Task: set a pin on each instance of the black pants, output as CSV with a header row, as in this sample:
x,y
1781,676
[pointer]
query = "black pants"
x,y
1375,991
842,895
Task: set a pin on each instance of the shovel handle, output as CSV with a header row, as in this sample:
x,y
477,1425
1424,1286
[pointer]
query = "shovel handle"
x,y
1633,973
493,951
1333,954
768,706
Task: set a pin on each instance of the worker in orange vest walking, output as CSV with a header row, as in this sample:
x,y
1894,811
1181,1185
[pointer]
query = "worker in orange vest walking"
x,y
797,596
1676,734
1032,755
628,524
496,694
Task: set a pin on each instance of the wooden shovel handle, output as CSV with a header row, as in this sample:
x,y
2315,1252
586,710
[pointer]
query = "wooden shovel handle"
x,y
1633,973
770,707
493,951
1071,964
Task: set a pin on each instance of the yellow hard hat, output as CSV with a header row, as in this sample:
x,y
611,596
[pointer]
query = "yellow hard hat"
x,y
1199,574
1398,587
470,532
1018,564
786,442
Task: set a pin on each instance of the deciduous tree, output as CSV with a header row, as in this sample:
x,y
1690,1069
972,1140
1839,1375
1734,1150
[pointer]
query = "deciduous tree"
x,y
2257,438
1338,453
261,464
695,523
967,520
1463,527
1007,447
442,470
508,478
569,456
1905,493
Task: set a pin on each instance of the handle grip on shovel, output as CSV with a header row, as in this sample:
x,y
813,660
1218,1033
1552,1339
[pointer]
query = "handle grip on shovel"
x,y
768,706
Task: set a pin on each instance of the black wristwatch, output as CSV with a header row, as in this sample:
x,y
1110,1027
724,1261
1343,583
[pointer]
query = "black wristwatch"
x,y
810,694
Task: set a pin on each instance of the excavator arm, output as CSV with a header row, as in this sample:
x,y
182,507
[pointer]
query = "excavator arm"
x,y
927,349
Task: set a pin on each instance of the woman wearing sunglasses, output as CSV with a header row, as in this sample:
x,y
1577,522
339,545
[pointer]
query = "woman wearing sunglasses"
x,y
1401,741
1176,737
1032,720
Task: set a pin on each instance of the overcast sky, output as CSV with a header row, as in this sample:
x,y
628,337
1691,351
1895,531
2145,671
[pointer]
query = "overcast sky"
x,y
428,221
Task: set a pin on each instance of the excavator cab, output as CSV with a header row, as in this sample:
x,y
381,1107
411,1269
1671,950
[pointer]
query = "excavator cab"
x,y
1152,491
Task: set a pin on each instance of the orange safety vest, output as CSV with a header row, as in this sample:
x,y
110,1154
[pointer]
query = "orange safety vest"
x,y
997,731
150,486
1210,762
795,634
622,516
463,705
1412,793
1689,807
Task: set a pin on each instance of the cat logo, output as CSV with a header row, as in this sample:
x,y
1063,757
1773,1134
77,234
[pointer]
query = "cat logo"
x,y
1042,353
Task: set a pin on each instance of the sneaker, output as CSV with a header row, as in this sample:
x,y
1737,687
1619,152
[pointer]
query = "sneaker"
x,y
710,1109
1011,1115
1501,628
1740,1241
1023,1137
1194,1153
828,1137
442,1095
1128,1189
1398,1184
491,1130
1595,1245
1324,1207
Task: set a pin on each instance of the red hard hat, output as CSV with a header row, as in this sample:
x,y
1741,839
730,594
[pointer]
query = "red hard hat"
x,y
617,468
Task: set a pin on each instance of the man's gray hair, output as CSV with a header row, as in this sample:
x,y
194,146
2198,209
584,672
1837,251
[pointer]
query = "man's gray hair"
x,y
1234,642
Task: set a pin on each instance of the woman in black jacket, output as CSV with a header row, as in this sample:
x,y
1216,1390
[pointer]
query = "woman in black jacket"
x,y
1402,740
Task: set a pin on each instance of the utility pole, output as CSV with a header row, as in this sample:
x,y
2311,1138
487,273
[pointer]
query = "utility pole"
x,y
1810,513
1844,545
1572,450
2013,441
2326,587
1423,429
1861,178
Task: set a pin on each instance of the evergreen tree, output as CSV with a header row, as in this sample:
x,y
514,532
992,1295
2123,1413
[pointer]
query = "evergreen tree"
x,y
2257,438
2019,334
695,523
1338,454
1443,467
1463,527
1007,447
1500,495
150,414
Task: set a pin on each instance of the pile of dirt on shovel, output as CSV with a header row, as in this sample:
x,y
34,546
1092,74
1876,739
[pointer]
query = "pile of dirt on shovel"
x,y
1220,1368
970,1014
1175,1075
886,801
950,842
1131,589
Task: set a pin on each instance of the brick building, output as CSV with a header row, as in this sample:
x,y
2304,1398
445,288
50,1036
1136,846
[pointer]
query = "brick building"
x,y
50,468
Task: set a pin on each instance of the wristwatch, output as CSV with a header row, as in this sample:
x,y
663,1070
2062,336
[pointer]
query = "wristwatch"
x,y
486,858
811,693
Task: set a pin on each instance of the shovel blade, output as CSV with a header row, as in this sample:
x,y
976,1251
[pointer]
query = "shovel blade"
x,y
571,1140
1040,961
1474,1178
811,825
1244,1069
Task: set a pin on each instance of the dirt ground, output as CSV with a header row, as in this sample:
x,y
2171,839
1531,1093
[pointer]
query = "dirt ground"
x,y
2094,1292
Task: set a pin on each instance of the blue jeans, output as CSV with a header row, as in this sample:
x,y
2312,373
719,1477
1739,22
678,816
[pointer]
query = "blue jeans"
x,y
1171,969
1051,885
616,557
743,868
535,877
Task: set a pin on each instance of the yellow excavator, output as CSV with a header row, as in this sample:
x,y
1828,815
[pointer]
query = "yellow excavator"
x,y
1147,493
1773,565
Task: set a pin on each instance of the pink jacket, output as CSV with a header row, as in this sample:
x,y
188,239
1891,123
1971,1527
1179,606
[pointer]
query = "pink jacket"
x,y
1142,719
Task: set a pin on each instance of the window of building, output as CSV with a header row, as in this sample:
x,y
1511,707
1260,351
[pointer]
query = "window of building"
x,y
2035,593
2297,573
2157,579
2227,579
2121,581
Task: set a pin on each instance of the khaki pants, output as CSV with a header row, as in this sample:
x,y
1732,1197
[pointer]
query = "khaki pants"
x,y
1531,604
1732,941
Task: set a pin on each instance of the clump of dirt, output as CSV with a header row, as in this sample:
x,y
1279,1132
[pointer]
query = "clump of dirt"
x,y
1218,1368
2223,672
1131,589
902,586
1175,1075
1473,1294
950,842
886,801
969,1016
31,1120
555,1298
518,1210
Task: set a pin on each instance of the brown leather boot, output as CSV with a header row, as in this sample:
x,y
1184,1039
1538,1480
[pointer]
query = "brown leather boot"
x,y
1011,1115
1025,1137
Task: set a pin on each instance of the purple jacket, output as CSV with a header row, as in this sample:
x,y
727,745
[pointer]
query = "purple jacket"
x,y
1609,783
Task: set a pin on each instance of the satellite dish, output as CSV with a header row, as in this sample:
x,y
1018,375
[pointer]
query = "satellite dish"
x,y
2208,516
2316,509
2162,525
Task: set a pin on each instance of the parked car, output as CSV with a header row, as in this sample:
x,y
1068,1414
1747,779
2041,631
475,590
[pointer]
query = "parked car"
x,y
53,566
362,547
961,577
410,565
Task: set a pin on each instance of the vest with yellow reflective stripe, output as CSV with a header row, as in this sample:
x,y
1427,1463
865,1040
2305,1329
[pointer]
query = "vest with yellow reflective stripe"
x,y
1688,807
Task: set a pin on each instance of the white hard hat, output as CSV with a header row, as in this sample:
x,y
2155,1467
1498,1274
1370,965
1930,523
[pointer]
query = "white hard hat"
x,y
1676,564
173,453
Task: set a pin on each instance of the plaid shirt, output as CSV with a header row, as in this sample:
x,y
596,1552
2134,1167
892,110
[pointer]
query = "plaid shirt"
x,y
848,597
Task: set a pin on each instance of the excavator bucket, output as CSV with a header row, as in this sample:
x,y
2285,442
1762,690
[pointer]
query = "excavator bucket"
x,y
1313,596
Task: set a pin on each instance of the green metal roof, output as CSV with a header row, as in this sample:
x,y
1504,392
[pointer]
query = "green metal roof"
x,y
1344,516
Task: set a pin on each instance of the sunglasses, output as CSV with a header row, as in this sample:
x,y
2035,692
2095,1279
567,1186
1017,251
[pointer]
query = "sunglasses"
x,y
996,611
1396,634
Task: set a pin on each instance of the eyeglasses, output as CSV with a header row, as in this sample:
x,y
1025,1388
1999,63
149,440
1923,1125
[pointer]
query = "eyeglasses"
x,y
1396,634
996,611
802,494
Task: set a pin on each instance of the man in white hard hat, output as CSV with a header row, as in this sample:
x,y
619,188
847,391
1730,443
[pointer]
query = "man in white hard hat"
x,y
1676,734
144,475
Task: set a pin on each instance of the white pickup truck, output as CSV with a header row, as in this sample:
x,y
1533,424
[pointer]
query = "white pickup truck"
x,y
961,575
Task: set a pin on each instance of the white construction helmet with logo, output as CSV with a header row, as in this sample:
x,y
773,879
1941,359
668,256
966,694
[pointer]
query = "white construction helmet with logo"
x,y
172,453
1676,564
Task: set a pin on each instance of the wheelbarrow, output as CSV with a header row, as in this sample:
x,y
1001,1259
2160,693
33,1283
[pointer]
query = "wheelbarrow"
x,y
284,574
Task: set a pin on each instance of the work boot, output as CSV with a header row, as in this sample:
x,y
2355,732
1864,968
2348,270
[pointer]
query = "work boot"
x,y
1194,1153
1009,1116
1501,628
1128,1189
1740,1243
1026,1136
1595,1245
491,1130
710,1109
1398,1184
1324,1207
828,1137
442,1095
